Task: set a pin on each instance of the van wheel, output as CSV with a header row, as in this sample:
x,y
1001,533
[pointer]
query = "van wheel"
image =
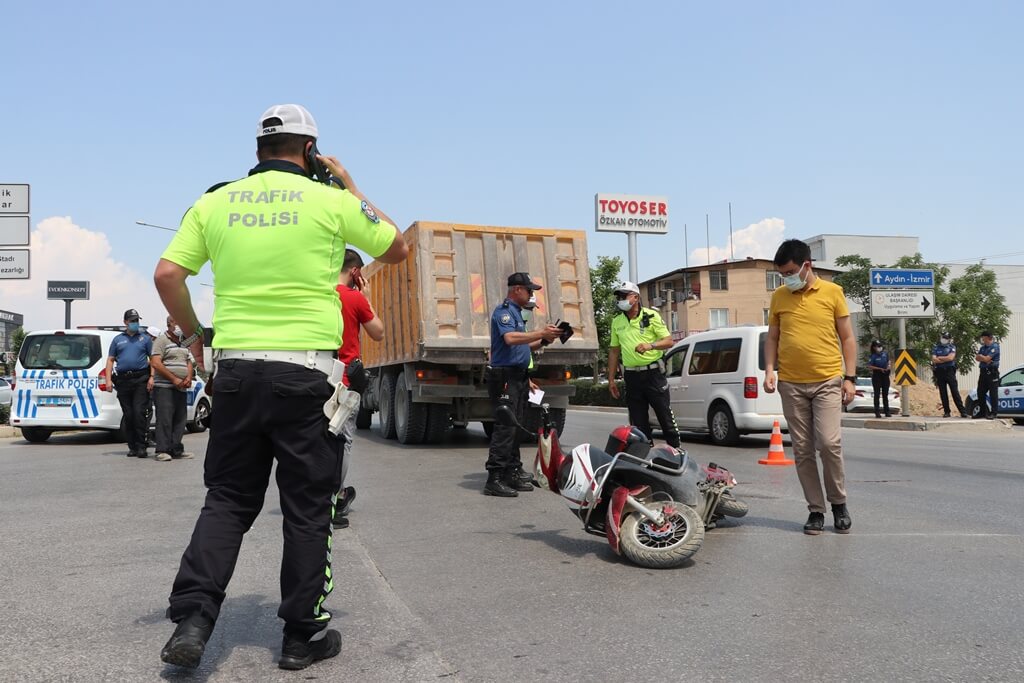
x,y
722,426
36,434
387,405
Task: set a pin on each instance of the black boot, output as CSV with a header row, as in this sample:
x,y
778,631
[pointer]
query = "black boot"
x,y
841,517
186,646
517,479
496,487
298,654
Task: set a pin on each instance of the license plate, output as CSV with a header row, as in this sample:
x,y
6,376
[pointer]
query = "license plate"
x,y
53,401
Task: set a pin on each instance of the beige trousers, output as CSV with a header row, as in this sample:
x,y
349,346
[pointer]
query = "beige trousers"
x,y
814,413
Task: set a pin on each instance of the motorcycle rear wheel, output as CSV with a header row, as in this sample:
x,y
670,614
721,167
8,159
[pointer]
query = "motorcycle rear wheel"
x,y
729,506
676,541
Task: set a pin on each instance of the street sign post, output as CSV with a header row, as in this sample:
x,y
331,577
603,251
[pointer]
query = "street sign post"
x,y
68,291
903,303
631,214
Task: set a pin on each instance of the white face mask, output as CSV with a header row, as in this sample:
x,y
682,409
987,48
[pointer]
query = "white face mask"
x,y
794,282
624,305
944,340
177,331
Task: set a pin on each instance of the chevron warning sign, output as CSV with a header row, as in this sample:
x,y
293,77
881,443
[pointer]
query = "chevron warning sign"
x,y
905,368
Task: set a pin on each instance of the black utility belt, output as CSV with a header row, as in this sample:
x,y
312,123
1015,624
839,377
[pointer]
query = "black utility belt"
x,y
127,374
995,369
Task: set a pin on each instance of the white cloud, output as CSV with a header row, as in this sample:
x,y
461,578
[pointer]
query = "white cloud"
x,y
757,240
61,250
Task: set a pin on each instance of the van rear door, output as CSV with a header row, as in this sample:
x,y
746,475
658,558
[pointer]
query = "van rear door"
x,y
59,376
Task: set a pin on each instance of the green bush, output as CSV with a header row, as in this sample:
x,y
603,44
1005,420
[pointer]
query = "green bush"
x,y
589,393
5,414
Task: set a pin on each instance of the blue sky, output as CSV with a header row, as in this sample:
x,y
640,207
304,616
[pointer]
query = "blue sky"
x,y
870,117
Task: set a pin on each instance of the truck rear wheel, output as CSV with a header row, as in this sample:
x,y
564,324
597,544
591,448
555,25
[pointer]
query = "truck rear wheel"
x,y
387,405
410,417
438,423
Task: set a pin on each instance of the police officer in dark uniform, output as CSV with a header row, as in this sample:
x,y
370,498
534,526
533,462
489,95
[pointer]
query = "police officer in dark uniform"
x,y
944,369
639,335
508,384
131,351
880,367
988,376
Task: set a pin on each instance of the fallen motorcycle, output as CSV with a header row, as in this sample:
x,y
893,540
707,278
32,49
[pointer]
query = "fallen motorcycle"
x,y
652,503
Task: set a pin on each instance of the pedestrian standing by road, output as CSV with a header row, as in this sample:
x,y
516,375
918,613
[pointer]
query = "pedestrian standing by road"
x,y
944,369
356,312
880,367
130,351
988,376
509,385
639,335
810,341
171,376
276,240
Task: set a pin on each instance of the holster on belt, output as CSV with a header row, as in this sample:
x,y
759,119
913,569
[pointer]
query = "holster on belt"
x,y
342,402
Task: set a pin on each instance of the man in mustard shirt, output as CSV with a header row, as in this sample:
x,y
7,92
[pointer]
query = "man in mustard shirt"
x,y
810,341
639,335
276,240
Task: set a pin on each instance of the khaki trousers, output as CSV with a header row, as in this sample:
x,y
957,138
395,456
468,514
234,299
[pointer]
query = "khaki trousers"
x,y
814,413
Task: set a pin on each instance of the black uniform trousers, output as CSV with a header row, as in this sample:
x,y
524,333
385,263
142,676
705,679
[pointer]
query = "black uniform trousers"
x,y
945,379
988,383
266,410
647,389
506,386
133,396
880,383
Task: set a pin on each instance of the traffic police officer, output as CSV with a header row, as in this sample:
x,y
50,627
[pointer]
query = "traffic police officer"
x,y
988,376
131,351
642,336
944,369
880,367
276,240
508,384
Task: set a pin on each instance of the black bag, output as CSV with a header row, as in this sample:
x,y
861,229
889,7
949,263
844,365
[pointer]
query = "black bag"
x,y
358,376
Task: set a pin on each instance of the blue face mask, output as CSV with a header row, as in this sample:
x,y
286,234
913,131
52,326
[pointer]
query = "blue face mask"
x,y
133,327
794,282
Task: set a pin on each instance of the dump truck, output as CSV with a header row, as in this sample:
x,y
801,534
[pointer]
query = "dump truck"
x,y
429,373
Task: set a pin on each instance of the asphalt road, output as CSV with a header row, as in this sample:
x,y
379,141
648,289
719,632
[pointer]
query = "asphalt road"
x,y
435,581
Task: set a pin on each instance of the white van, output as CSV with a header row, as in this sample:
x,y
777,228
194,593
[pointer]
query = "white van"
x,y
715,381
59,383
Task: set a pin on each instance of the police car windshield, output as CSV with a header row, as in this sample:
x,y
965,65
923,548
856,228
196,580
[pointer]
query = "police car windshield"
x,y
60,351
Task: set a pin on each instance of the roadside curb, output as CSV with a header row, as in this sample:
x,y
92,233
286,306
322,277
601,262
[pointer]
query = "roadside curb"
x,y
601,409
924,424
8,432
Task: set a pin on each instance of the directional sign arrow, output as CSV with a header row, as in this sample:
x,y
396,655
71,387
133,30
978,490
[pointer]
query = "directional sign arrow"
x,y
878,277
925,303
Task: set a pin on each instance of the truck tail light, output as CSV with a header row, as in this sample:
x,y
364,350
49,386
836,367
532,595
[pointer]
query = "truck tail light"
x,y
749,387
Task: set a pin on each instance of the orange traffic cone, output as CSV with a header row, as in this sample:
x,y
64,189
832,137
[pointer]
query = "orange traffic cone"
x,y
776,454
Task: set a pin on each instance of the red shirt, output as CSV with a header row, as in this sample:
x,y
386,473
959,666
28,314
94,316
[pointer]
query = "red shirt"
x,y
355,311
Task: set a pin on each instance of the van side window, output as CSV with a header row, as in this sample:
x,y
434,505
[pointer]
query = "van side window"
x,y
675,367
717,356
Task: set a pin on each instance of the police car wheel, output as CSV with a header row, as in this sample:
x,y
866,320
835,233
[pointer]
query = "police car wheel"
x,y
36,434
200,418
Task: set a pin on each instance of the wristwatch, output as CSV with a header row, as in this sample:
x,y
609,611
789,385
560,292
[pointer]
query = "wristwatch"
x,y
850,378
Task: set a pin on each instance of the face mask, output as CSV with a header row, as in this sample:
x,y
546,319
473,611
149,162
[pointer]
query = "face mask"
x,y
177,332
794,282
944,340
526,315
532,303
624,305
133,327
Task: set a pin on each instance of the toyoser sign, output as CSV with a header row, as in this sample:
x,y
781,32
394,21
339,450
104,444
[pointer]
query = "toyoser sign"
x,y
631,213
67,289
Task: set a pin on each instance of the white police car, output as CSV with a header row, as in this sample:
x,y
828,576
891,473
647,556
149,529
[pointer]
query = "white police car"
x,y
60,380
1011,396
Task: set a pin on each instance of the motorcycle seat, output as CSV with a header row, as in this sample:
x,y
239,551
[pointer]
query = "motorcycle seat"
x,y
666,457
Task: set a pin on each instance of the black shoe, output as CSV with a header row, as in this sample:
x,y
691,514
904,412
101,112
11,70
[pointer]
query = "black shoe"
x,y
841,517
815,523
964,415
185,648
339,521
348,495
496,487
946,415
991,417
298,654
878,416
142,454
888,415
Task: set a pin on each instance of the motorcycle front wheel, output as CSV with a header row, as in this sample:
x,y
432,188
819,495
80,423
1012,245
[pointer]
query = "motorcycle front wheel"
x,y
659,547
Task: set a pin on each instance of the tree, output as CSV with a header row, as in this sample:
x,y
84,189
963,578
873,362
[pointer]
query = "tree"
x,y
603,281
974,305
14,346
971,303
